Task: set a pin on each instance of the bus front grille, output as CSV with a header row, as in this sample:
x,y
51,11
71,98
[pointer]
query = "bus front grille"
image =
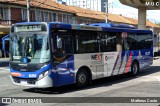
x,y
28,80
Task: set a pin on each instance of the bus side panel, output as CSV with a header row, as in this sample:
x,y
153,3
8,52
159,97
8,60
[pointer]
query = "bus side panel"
x,y
65,72
117,62
93,61
145,58
111,59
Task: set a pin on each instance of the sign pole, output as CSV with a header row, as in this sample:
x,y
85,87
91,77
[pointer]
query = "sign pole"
x,y
28,10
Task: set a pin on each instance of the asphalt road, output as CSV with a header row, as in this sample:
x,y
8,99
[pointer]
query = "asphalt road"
x,y
146,84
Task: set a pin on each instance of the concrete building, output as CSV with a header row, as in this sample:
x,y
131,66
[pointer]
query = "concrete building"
x,y
98,5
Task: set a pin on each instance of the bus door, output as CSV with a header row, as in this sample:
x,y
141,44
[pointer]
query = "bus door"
x,y
63,56
97,61
108,47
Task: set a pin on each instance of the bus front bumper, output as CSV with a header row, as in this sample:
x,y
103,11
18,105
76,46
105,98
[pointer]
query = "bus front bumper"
x,y
42,83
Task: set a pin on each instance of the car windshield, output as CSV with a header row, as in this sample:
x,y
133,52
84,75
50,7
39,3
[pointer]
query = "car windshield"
x,y
30,49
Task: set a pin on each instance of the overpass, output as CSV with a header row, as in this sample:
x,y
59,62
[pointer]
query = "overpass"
x,y
142,6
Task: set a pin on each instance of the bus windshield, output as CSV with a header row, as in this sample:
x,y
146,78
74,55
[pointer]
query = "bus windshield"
x,y
32,48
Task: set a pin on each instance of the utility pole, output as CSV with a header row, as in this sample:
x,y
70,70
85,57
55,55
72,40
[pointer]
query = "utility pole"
x,y
28,10
106,6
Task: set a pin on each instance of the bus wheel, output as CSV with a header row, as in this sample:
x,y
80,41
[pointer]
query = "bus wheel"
x,y
134,69
82,78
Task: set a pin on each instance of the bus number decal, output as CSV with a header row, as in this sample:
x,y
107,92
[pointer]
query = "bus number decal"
x,y
32,75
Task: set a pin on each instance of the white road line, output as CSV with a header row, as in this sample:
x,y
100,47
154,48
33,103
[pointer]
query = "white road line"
x,y
153,77
4,85
4,68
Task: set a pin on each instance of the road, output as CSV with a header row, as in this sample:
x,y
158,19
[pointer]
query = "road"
x,y
146,84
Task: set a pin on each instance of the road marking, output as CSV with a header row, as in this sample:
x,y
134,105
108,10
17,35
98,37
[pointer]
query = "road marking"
x,y
4,68
153,77
4,85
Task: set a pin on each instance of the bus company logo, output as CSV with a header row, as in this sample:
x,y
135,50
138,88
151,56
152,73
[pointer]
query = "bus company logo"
x,y
97,57
108,57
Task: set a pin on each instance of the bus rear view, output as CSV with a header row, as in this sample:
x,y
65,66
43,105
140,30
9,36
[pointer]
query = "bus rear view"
x,y
30,55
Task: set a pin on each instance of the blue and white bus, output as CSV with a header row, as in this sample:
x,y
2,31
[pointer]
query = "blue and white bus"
x,y
55,54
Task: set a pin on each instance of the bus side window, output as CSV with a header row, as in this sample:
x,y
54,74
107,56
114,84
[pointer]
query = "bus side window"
x,y
107,41
86,42
119,42
125,44
132,41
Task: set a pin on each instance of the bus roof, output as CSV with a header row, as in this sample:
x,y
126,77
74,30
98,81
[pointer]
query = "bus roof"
x,y
110,27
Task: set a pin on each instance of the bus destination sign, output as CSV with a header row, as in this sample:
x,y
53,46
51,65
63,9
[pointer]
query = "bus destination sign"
x,y
26,28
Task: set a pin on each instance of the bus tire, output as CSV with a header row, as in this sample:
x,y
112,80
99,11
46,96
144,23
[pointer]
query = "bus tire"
x,y
134,68
82,78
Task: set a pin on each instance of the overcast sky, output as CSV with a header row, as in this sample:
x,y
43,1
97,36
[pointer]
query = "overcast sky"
x,y
116,7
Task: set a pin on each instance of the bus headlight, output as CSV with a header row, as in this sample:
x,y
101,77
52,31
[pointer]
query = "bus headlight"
x,y
44,74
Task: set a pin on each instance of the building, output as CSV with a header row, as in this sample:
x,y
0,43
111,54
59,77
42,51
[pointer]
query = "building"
x,y
60,1
98,5
13,11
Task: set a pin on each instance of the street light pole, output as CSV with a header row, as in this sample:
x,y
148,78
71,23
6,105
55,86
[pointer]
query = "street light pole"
x,y
106,6
28,10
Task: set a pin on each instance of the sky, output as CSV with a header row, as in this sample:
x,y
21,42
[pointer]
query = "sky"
x,y
115,7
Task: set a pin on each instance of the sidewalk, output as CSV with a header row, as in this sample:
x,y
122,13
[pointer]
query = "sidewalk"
x,y
4,59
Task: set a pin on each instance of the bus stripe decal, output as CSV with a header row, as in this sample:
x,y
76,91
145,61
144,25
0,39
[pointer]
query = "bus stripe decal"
x,y
128,63
115,63
122,58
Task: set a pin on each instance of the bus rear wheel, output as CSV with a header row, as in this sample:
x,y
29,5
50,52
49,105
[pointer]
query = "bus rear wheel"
x,y
134,68
82,78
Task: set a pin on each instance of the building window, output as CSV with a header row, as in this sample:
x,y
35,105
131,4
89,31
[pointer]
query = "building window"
x,y
54,17
64,18
24,14
73,20
38,16
4,13
46,16
70,19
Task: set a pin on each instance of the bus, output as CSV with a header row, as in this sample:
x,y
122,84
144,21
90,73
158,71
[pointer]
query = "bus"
x,y
55,54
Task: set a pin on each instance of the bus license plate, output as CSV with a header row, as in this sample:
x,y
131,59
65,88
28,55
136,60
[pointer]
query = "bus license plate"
x,y
23,82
